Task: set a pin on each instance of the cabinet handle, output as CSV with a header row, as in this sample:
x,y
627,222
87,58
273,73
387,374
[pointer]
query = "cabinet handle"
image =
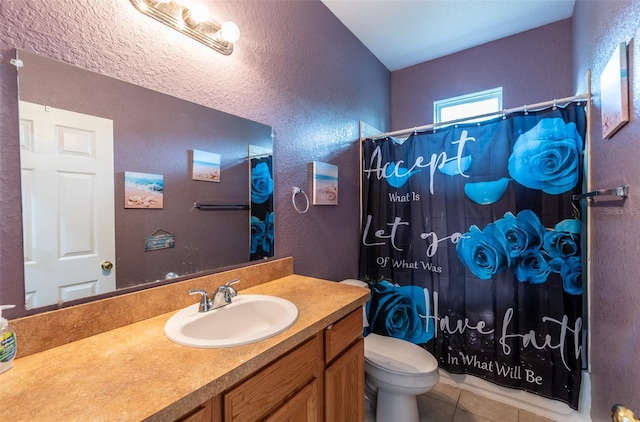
x,y
330,326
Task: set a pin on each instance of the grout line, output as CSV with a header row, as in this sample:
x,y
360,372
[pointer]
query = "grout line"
x,y
455,409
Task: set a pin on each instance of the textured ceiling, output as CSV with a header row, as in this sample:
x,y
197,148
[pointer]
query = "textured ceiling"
x,y
402,33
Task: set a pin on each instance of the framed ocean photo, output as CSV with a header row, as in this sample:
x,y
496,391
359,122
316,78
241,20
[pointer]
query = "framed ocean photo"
x,y
143,190
325,184
205,166
614,92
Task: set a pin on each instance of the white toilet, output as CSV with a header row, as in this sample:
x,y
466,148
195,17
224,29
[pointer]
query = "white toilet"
x,y
396,371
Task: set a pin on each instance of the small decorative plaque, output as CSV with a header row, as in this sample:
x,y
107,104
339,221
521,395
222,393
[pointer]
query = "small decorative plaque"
x,y
159,241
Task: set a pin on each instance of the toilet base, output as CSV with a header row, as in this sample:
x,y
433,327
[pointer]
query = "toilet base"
x,y
369,404
396,407
369,415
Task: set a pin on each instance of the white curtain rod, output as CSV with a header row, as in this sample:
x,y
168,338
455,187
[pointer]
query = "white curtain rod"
x,y
531,107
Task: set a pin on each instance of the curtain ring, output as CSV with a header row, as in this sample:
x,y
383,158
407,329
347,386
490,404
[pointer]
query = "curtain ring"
x,y
294,191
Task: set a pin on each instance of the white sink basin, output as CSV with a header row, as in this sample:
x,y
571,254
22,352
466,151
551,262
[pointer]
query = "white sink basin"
x,y
250,318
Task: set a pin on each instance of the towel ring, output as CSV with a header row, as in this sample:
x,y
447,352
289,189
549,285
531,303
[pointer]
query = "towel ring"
x,y
294,191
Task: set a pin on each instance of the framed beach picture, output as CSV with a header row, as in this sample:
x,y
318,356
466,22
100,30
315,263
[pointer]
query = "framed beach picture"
x,y
143,190
325,184
614,92
206,166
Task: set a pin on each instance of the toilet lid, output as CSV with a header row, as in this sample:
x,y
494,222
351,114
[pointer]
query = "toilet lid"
x,y
398,355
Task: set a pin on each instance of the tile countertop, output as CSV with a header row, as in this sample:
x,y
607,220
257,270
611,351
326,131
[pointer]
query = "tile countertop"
x,y
135,373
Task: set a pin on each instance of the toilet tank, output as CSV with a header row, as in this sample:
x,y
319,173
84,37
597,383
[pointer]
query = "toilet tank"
x,y
354,282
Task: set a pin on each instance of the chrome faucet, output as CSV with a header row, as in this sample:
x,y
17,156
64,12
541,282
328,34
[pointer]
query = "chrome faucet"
x,y
221,297
224,294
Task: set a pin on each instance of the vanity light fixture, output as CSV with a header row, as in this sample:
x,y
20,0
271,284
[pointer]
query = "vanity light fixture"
x,y
193,22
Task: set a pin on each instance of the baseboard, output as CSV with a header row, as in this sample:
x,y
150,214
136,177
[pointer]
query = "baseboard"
x,y
547,408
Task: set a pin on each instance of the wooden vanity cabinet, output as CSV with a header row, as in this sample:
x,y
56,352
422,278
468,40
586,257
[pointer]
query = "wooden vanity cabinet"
x,y
344,370
302,407
288,389
320,380
200,414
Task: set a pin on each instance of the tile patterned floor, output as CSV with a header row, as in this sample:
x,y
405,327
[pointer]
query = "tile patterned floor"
x,y
445,403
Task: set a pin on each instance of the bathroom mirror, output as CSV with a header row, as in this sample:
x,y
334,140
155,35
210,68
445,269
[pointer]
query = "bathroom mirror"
x,y
159,145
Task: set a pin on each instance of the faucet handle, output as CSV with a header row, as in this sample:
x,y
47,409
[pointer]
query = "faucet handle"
x,y
228,291
205,304
231,289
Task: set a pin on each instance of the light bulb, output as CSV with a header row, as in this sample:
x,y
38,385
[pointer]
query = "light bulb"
x,y
199,13
230,32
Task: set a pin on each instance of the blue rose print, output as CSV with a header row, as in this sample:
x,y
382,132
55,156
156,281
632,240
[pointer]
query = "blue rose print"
x,y
267,242
258,233
262,233
523,244
547,157
571,273
485,193
532,267
261,183
397,176
400,312
520,233
569,225
561,246
482,252
455,167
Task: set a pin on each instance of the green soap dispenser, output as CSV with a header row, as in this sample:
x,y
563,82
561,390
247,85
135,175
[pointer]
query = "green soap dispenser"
x,y
8,342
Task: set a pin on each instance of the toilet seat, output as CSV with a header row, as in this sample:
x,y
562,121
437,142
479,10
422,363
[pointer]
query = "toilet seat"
x,y
396,371
398,356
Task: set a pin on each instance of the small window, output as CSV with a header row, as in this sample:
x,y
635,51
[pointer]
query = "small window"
x,y
469,105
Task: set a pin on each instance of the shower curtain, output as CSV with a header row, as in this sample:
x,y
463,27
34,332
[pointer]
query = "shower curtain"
x,y
262,230
471,247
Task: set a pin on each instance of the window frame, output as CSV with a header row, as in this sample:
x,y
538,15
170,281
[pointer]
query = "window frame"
x,y
439,105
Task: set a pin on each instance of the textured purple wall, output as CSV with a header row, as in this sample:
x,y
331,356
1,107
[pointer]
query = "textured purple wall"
x,y
598,26
531,67
295,68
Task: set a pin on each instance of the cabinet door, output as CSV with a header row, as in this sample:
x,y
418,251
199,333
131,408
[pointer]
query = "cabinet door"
x,y
303,407
344,386
339,336
200,414
265,391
